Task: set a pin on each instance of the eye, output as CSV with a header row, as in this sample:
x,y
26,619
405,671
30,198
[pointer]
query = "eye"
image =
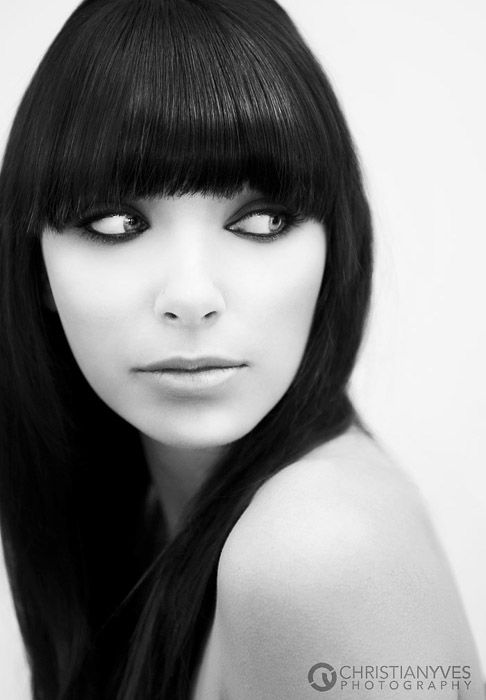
x,y
118,225
264,224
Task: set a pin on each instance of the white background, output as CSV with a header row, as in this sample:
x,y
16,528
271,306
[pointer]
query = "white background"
x,y
410,75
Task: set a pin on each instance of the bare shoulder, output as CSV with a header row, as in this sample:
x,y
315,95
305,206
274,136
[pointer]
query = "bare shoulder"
x,y
343,495
336,560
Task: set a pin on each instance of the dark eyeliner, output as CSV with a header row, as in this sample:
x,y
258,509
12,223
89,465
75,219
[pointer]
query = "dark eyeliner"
x,y
84,224
292,219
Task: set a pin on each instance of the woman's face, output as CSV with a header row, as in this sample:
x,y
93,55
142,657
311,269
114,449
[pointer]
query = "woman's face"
x,y
194,277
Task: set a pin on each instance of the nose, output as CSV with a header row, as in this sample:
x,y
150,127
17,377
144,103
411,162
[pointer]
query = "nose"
x,y
189,296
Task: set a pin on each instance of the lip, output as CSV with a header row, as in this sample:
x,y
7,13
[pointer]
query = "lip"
x,y
201,380
192,364
192,377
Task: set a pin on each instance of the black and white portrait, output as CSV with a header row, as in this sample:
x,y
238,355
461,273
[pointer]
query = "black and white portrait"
x,y
242,384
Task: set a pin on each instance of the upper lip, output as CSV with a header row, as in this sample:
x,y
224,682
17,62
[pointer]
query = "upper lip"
x,y
193,363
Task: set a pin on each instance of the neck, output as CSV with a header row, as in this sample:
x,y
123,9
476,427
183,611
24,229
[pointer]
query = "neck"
x,y
177,473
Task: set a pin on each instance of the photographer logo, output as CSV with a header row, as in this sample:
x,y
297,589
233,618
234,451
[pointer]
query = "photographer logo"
x,y
322,677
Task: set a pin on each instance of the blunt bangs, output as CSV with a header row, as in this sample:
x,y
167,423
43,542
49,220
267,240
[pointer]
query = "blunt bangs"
x,y
137,98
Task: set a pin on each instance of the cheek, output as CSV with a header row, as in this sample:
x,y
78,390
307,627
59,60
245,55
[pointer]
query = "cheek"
x,y
292,284
90,292
283,299
93,300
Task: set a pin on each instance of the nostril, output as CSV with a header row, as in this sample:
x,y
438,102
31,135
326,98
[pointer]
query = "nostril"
x,y
170,315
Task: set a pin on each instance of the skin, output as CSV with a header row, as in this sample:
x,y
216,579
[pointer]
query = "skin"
x,y
187,286
335,560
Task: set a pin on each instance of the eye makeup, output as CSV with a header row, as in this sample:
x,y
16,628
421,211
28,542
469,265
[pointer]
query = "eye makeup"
x,y
95,215
277,218
288,220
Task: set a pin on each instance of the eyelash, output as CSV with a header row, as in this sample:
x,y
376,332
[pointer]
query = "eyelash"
x,y
292,219
104,238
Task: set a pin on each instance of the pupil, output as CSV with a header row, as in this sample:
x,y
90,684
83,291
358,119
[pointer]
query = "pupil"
x,y
129,222
275,221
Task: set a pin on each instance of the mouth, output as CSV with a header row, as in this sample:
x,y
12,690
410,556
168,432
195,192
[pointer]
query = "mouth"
x,y
196,364
189,376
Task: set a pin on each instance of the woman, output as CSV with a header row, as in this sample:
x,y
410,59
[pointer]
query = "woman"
x,y
191,507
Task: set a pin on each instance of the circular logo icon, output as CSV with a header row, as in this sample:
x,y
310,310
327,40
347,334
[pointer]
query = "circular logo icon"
x,y
322,677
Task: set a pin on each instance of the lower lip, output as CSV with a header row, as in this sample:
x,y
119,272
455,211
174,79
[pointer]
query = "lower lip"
x,y
190,381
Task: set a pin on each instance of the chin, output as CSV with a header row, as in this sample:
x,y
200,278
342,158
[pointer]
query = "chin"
x,y
198,434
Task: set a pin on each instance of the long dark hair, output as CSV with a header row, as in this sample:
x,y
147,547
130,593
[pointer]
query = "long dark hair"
x,y
136,98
